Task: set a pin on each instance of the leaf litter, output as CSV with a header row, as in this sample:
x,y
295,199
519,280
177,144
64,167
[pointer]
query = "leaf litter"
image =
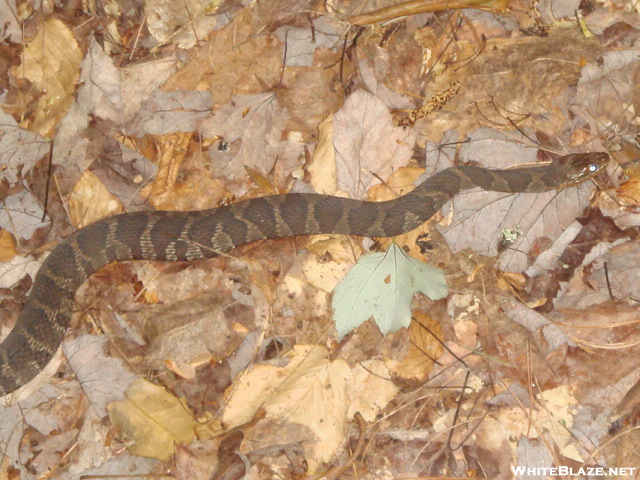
x,y
166,113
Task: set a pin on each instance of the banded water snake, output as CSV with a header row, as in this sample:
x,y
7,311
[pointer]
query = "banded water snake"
x,y
179,236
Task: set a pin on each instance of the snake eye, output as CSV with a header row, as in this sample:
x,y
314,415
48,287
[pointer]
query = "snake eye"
x,y
593,167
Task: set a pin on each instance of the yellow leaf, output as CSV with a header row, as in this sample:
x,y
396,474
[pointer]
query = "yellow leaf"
x,y
7,246
153,420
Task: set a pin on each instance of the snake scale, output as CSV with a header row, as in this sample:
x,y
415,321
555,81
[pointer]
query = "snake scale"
x,y
180,236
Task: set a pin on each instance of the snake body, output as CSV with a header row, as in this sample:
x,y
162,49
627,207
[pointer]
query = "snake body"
x,y
180,236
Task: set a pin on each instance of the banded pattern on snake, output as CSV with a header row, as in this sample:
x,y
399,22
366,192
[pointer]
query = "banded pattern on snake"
x,y
178,236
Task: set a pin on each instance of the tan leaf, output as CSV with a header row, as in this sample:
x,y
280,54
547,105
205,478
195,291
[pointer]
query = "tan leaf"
x,y
373,389
424,349
172,149
153,419
322,170
51,61
311,390
90,201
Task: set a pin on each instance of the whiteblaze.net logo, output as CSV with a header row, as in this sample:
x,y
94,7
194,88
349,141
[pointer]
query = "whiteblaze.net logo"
x,y
607,472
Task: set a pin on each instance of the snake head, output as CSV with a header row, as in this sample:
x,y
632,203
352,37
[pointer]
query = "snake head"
x,y
578,167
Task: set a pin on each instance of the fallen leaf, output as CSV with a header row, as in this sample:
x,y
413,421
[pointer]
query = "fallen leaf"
x,y
53,49
425,347
90,201
311,390
152,420
381,285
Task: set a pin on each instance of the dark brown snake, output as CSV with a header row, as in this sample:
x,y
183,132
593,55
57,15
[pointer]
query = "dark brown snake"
x,y
176,236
